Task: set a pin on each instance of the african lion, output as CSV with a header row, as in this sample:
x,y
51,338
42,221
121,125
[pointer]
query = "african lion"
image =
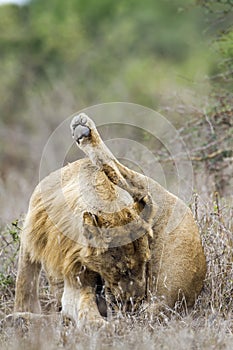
x,y
98,225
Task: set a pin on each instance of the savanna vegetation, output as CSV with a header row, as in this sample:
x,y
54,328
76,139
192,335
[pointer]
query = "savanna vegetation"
x,y
58,57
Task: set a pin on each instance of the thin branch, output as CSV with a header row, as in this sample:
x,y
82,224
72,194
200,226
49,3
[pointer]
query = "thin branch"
x,y
201,158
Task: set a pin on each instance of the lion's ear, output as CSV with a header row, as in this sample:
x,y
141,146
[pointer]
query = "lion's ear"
x,y
90,219
141,203
94,231
90,225
144,207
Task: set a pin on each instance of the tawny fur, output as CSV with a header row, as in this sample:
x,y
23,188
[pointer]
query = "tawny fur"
x,y
96,220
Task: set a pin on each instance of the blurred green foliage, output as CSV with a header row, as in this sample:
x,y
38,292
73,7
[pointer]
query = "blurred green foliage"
x,y
124,50
9,248
220,20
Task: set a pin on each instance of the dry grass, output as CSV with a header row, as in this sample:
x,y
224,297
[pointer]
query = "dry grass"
x,y
209,325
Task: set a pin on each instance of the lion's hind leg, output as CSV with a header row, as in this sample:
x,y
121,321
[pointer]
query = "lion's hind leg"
x,y
27,284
